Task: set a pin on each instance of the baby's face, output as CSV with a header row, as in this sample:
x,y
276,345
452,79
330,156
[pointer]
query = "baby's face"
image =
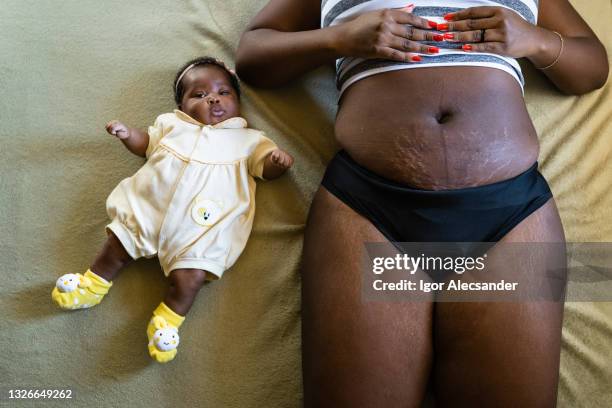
x,y
209,96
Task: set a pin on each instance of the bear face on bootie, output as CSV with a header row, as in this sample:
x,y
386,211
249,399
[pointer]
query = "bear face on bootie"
x,y
166,339
75,291
69,282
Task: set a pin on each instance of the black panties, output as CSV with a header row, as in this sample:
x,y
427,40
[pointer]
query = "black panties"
x,y
406,214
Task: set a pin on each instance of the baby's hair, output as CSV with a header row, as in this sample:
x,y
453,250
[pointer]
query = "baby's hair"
x,y
178,86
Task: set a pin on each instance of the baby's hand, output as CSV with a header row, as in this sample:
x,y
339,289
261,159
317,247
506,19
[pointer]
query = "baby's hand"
x,y
281,159
116,128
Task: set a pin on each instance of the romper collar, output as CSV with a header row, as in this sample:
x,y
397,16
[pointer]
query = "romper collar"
x,y
232,123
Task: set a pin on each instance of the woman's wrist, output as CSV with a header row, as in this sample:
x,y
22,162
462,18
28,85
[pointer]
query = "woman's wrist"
x,y
547,48
334,40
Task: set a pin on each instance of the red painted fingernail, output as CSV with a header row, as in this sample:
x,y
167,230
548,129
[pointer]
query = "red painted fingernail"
x,y
449,36
442,27
432,24
433,49
466,47
438,37
410,5
448,17
415,58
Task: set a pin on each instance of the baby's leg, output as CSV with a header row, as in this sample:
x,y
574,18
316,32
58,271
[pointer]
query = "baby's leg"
x,y
76,291
170,314
111,259
184,286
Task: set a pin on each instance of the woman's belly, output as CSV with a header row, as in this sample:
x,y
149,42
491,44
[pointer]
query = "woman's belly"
x,y
438,127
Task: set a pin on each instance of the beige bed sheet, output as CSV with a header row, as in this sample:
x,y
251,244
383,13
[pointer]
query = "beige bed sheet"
x,y
68,67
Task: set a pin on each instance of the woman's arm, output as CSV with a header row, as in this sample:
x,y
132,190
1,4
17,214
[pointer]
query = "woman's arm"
x,y
282,42
583,63
577,64
285,40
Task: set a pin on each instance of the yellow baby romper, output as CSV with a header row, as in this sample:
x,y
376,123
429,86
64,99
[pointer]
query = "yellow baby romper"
x,y
192,203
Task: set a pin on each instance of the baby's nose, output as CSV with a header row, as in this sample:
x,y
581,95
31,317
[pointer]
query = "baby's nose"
x,y
212,99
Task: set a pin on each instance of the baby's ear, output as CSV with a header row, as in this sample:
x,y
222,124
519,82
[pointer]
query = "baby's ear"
x,y
159,322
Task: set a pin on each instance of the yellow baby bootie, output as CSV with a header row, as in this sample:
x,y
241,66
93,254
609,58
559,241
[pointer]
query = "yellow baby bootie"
x,y
76,291
163,333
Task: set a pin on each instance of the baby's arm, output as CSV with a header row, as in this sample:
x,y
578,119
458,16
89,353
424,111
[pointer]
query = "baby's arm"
x,y
276,163
134,139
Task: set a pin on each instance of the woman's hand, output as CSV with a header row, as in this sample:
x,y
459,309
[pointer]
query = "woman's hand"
x,y
388,34
495,30
116,128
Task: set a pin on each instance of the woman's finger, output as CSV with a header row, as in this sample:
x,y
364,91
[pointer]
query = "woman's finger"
x,y
472,12
494,35
404,45
408,9
415,34
402,17
396,55
490,47
469,24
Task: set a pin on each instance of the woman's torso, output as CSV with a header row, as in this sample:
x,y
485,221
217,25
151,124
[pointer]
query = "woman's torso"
x,y
438,127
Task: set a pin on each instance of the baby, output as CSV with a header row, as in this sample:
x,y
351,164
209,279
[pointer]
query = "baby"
x,y
191,204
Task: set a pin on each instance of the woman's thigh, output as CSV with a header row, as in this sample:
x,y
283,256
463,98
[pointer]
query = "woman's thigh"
x,y
356,353
503,354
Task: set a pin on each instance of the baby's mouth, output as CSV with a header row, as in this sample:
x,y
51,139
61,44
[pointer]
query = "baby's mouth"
x,y
217,111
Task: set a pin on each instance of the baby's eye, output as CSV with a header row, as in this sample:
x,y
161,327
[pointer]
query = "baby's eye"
x,y
200,94
224,92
